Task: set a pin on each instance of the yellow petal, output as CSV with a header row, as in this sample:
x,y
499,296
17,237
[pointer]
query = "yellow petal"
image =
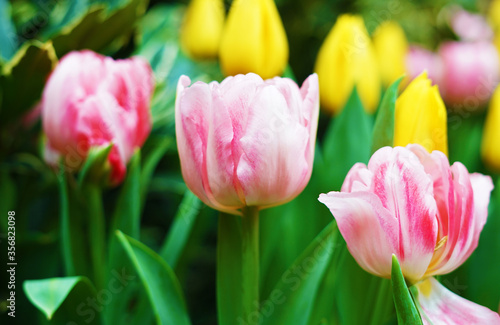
x,y
421,116
202,28
490,147
347,58
254,40
391,48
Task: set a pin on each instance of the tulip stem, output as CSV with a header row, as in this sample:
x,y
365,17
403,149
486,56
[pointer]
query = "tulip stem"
x,y
250,263
96,233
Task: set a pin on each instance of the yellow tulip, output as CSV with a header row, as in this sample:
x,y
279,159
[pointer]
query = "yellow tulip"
x,y
202,28
391,48
254,40
346,59
494,15
490,147
421,116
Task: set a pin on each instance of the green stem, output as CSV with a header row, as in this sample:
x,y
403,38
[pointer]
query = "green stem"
x,y
69,266
96,234
250,262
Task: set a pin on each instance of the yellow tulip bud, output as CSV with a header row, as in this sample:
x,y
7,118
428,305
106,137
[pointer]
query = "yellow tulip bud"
x,y
391,48
494,15
421,116
490,147
346,59
202,28
254,40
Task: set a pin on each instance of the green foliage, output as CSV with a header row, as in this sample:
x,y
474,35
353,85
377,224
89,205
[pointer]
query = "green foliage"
x,y
160,282
383,130
406,309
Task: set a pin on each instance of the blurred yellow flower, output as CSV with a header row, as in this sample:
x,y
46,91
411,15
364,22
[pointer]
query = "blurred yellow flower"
x,y
201,29
490,147
421,116
347,59
391,48
494,15
254,40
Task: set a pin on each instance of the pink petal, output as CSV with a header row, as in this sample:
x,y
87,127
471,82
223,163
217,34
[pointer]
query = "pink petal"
x,y
405,190
273,167
371,233
439,306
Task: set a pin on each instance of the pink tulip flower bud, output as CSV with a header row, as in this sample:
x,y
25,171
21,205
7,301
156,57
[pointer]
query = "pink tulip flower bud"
x,y
419,60
92,101
470,73
469,26
246,141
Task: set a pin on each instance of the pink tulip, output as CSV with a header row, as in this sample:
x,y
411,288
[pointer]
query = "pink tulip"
x,y
415,205
470,73
90,101
246,141
419,60
469,26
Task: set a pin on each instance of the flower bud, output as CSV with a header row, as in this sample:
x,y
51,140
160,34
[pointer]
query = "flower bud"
x,y
490,148
347,59
421,116
94,101
391,47
419,60
254,40
202,28
246,141
470,73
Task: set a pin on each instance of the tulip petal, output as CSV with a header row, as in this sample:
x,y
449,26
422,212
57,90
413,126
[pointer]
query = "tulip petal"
x,y
440,306
273,164
406,191
371,233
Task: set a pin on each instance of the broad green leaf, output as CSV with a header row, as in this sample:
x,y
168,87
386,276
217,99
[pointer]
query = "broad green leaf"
x,y
482,282
64,297
159,280
229,270
292,301
99,30
347,141
383,130
405,307
95,168
361,296
8,37
25,74
181,228
464,138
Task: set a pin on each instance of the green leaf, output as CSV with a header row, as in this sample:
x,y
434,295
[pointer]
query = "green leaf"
x,y
63,297
347,141
482,282
8,37
23,79
151,160
405,307
96,168
98,30
229,270
159,280
181,228
465,131
383,130
292,301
